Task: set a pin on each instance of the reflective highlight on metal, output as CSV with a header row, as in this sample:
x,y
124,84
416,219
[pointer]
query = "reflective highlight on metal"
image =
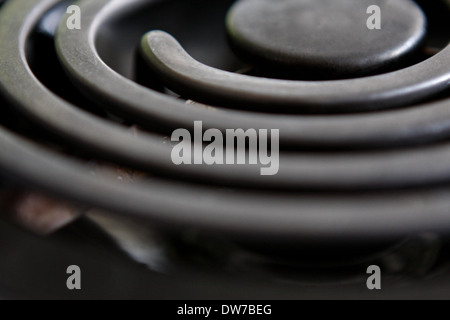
x,y
363,160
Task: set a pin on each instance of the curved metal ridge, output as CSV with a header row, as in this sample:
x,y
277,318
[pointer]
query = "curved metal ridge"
x,y
170,204
408,126
370,170
44,107
181,72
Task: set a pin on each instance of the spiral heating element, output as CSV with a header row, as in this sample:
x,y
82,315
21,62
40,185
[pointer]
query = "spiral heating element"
x,y
86,119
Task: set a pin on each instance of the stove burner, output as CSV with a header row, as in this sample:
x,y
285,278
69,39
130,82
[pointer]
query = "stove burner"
x,y
181,72
324,36
363,160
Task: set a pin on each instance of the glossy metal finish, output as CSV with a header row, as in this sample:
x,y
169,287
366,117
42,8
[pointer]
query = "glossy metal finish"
x,y
182,73
369,170
170,203
354,189
273,215
153,109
